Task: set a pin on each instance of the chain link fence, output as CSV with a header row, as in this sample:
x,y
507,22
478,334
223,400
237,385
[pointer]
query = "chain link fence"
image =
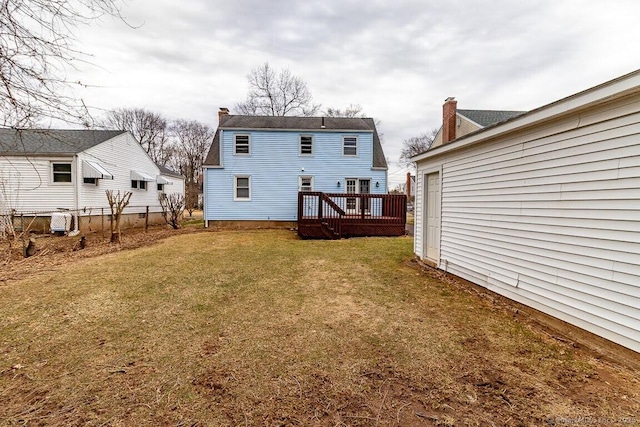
x,y
85,220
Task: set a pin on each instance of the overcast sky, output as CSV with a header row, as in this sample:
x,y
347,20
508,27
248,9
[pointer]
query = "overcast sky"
x,y
398,59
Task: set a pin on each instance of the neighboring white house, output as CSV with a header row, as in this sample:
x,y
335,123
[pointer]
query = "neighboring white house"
x,y
42,171
544,208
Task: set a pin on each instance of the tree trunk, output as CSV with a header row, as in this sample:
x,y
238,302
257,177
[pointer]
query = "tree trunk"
x,y
30,250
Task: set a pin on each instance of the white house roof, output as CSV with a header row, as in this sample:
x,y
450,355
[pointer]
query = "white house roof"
x,y
169,172
20,142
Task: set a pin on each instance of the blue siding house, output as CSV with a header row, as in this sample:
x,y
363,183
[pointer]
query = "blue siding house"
x,y
257,165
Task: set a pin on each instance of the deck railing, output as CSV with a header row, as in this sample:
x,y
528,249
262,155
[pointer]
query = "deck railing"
x,y
335,215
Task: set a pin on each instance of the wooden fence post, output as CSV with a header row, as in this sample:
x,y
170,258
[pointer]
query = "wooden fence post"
x,y
146,220
24,246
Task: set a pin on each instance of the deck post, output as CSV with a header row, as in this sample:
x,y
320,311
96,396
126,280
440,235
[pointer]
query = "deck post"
x,y
320,206
404,209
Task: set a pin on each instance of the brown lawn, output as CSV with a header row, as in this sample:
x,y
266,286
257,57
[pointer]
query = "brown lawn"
x,y
260,328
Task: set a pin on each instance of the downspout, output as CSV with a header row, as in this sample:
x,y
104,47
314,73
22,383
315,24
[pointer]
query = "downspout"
x,y
76,196
204,197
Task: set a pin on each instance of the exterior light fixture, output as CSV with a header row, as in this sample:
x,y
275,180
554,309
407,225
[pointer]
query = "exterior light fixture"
x,y
377,184
338,184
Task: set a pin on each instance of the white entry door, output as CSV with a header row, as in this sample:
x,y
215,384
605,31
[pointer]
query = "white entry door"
x,y
432,216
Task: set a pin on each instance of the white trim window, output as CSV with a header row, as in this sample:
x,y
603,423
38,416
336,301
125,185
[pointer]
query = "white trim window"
x,y
241,145
306,145
305,183
349,145
139,184
61,172
242,187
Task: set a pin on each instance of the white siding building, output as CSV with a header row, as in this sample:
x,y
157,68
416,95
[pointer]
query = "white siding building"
x,y
544,209
42,171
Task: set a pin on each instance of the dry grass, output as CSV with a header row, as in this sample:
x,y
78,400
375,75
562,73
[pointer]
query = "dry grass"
x,y
259,328
410,218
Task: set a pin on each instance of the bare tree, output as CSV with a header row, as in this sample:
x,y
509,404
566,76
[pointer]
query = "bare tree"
x,y
353,110
6,207
191,142
399,189
172,208
117,203
276,93
416,145
37,46
149,129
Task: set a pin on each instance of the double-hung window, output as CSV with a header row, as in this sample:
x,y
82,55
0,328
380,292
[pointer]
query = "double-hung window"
x,y
306,145
242,188
61,172
349,145
306,183
139,184
241,145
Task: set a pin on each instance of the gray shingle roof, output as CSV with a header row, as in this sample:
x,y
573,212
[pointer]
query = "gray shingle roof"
x,y
18,142
169,172
489,117
296,123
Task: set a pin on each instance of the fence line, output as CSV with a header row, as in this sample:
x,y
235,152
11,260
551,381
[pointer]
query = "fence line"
x,y
90,219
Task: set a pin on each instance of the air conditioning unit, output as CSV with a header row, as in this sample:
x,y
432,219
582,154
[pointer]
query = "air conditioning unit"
x,y
60,222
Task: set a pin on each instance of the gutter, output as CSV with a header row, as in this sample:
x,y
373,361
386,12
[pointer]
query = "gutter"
x,y
205,199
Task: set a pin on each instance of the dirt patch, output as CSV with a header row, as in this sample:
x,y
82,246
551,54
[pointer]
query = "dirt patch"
x,y
54,250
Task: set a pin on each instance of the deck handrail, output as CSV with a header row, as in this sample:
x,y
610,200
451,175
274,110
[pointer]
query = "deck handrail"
x,y
333,204
335,215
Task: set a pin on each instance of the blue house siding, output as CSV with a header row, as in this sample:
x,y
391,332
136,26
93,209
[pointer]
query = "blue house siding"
x,y
275,167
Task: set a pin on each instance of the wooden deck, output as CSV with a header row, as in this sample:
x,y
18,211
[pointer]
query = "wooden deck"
x,y
338,215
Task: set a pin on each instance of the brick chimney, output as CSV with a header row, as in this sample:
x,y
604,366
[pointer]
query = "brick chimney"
x,y
223,112
449,120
